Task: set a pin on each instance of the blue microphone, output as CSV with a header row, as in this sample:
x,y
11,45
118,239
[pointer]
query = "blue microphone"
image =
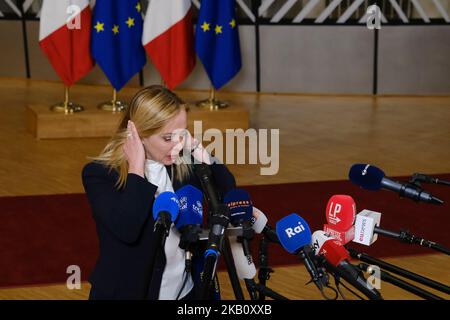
x,y
366,176
293,233
165,210
190,220
240,205
166,207
191,206
295,237
372,178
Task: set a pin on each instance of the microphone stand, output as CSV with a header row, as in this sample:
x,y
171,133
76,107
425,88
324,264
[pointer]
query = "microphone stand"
x,y
399,271
228,258
264,269
219,218
400,283
419,177
252,287
247,235
161,231
371,294
406,237
231,268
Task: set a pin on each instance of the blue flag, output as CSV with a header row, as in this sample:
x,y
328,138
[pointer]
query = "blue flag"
x,y
116,39
217,40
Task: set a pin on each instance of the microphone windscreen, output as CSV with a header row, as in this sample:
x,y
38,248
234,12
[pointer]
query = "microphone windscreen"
x,y
334,252
366,176
245,268
341,211
258,221
240,205
166,202
293,232
318,238
191,206
366,222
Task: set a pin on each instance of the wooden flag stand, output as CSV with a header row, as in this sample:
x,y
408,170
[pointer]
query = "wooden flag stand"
x,y
114,105
66,107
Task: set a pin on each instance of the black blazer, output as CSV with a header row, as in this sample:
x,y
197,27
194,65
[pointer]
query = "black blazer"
x,y
124,224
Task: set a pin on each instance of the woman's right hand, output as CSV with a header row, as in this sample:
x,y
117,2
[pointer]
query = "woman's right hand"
x,y
134,151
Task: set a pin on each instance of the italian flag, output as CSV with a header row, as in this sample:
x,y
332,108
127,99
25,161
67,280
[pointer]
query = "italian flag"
x,y
64,36
168,39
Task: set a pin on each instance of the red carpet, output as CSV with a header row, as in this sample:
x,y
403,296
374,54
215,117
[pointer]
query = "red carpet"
x,y
42,235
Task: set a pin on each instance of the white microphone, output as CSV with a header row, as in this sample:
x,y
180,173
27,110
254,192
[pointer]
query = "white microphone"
x,y
319,237
245,268
366,223
367,229
259,225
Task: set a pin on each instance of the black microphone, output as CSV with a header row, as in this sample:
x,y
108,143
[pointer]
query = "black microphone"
x,y
372,178
219,220
204,174
220,212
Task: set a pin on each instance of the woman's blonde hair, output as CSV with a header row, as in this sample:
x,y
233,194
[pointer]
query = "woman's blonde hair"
x,y
150,109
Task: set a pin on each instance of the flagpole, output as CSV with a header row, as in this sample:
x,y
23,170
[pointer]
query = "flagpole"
x,y
212,103
114,105
66,107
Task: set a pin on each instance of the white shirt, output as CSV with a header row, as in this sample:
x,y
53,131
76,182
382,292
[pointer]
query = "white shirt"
x,y
173,275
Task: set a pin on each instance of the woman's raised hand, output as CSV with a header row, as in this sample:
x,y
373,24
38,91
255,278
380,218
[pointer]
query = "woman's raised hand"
x,y
198,152
134,151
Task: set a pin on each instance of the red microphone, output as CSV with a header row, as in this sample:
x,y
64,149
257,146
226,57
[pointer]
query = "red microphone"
x,y
341,211
334,252
337,262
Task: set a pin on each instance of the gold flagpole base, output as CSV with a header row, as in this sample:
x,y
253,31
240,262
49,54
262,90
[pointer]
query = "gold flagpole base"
x,y
118,106
212,104
114,105
70,108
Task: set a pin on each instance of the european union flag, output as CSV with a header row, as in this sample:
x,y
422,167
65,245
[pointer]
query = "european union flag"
x,y
217,40
116,39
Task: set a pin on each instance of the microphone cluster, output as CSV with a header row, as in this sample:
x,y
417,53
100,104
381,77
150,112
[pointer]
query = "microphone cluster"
x,y
323,252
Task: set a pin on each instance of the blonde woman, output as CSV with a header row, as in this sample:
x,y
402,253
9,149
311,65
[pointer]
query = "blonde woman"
x,y
142,160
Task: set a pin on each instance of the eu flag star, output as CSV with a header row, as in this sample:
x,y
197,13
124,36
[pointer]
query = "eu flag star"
x,y
99,26
130,22
218,29
138,7
233,23
205,26
115,29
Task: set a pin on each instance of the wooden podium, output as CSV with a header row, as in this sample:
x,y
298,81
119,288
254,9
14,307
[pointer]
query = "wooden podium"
x,y
42,123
